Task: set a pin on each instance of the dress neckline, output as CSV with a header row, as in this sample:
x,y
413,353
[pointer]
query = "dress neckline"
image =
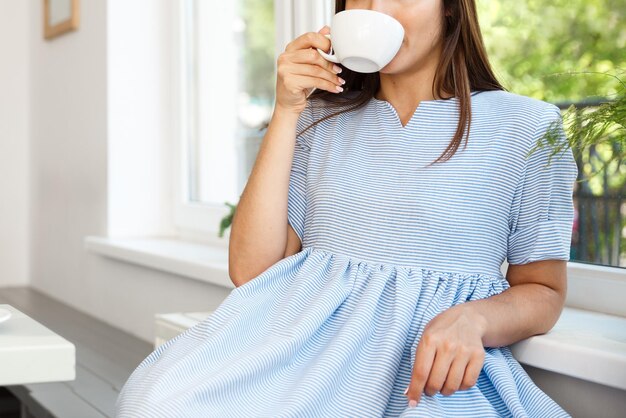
x,y
423,105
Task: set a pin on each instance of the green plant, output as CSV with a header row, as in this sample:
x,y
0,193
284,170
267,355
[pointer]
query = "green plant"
x,y
588,129
228,219
530,43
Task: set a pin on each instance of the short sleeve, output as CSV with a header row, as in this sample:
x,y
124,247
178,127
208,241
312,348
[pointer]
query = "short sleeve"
x,y
542,212
297,198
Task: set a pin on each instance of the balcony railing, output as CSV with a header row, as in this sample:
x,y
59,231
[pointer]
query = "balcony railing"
x,y
599,229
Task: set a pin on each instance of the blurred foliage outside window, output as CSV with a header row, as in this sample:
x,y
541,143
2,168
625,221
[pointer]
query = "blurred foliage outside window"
x,y
258,55
535,45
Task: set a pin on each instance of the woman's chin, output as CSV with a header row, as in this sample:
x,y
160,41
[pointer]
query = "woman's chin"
x,y
391,68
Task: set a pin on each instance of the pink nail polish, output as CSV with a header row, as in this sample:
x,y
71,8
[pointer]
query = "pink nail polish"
x,y
412,403
406,390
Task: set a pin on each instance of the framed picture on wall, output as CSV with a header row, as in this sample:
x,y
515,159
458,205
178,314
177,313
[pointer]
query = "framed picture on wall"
x,y
59,17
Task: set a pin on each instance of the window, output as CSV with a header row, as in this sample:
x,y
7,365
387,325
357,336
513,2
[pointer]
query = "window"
x,y
226,72
573,59
226,77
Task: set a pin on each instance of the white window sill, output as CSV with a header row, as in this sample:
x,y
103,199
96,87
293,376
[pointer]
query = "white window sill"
x,y
207,263
583,344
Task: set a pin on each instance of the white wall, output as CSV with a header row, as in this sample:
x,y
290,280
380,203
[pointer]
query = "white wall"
x,y
139,114
14,144
68,138
86,120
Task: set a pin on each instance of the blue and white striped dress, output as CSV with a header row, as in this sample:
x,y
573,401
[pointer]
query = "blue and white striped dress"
x,y
388,244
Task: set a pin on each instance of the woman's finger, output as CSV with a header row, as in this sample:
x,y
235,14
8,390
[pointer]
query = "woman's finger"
x,y
439,372
455,375
424,356
303,82
473,370
312,56
313,71
309,40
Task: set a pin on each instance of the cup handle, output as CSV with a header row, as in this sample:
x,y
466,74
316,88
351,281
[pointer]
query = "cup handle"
x,y
331,58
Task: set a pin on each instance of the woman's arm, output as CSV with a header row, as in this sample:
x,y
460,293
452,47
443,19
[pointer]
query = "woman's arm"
x,y
531,306
260,235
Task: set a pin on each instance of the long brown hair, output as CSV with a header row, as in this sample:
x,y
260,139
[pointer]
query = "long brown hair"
x,y
463,68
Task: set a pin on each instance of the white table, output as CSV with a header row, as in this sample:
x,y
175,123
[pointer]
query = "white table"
x,y
32,353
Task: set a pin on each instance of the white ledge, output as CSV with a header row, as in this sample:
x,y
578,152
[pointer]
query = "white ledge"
x,y
207,263
583,344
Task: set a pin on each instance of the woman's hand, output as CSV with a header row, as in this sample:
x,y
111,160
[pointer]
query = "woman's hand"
x,y
301,68
449,355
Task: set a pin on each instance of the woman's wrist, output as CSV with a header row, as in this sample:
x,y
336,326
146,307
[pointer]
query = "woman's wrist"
x,y
285,112
282,121
476,317
283,115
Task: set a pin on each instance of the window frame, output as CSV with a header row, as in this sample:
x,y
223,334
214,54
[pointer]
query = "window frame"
x,y
199,221
190,220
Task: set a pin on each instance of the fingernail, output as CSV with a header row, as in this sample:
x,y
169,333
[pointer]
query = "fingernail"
x,y
412,403
341,80
339,89
406,390
337,69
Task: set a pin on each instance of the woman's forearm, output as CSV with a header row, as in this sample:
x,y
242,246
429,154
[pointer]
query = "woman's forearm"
x,y
258,235
517,313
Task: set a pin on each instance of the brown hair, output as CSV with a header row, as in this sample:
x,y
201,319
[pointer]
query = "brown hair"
x,y
463,68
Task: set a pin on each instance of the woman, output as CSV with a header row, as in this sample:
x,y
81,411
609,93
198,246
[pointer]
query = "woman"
x,y
367,251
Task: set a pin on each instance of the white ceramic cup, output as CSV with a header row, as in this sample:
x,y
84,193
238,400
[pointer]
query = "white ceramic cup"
x,y
364,40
